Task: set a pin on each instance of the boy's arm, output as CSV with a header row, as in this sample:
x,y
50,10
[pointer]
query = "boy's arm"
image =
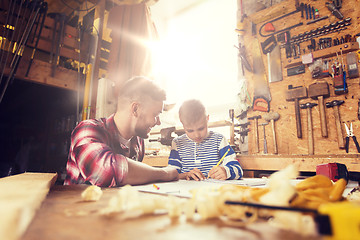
x,y
175,161
174,158
230,163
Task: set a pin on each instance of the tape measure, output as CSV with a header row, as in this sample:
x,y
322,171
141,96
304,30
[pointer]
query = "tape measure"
x,y
344,220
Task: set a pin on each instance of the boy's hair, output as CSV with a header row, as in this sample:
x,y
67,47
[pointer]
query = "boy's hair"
x,y
140,89
191,111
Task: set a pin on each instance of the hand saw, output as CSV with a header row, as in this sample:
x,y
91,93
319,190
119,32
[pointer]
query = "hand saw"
x,y
262,93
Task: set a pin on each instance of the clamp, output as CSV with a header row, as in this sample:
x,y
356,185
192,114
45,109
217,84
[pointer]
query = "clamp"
x,y
349,133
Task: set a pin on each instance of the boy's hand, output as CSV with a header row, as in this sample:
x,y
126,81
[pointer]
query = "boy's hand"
x,y
195,174
218,173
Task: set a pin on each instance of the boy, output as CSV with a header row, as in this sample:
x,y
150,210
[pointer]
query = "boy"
x,y
196,153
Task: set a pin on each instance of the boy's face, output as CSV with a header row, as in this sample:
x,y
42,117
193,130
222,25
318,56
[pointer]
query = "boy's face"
x,y
197,131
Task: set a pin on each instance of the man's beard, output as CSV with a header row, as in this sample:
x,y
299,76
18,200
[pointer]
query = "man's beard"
x,y
141,132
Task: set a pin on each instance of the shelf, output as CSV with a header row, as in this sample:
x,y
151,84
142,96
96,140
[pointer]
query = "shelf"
x,y
328,52
303,162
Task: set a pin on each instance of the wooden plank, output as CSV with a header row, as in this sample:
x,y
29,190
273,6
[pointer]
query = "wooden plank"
x,y
69,40
221,123
64,215
100,16
20,196
40,72
156,161
302,162
64,51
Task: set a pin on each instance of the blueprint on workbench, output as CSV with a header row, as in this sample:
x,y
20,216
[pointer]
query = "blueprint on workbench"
x,y
182,188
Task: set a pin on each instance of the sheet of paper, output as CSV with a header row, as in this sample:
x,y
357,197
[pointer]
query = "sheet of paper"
x,y
182,188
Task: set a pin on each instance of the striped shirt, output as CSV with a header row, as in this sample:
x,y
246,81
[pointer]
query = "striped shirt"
x,y
97,155
186,155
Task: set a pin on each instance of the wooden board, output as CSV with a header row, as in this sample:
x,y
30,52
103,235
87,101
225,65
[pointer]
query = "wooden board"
x,y
20,196
288,143
303,163
156,161
64,216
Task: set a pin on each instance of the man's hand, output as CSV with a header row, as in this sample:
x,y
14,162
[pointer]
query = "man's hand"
x,y
218,173
195,174
171,174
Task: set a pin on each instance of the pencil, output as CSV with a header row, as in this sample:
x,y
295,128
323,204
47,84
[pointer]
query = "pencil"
x,y
155,186
221,159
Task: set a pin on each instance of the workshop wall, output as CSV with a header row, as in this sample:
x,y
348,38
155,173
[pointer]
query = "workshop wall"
x,y
287,139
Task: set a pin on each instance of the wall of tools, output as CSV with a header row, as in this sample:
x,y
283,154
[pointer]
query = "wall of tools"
x,y
304,79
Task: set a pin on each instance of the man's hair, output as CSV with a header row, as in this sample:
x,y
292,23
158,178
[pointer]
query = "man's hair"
x,y
140,89
191,111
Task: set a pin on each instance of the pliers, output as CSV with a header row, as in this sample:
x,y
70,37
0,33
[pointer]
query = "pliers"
x,y
349,133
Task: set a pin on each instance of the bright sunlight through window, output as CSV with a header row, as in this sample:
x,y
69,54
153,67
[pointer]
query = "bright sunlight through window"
x,y
196,57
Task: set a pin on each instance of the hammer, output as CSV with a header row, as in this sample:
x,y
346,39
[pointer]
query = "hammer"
x,y
335,105
319,91
256,131
308,106
294,94
272,117
265,143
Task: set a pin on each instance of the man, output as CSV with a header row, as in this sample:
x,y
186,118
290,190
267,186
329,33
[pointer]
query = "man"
x,y
108,152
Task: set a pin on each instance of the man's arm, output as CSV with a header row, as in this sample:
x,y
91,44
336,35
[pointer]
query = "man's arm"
x,y
93,159
141,173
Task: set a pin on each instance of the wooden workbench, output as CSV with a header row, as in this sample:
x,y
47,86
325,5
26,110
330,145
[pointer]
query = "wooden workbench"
x,y
58,219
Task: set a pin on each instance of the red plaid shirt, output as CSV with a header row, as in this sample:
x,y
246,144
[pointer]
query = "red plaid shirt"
x,y
96,155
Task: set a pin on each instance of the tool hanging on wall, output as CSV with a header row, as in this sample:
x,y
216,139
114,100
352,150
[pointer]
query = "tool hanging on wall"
x,y
58,37
272,51
265,142
43,12
295,94
338,73
262,96
321,31
274,65
310,135
19,35
334,8
256,131
297,9
350,133
335,105
243,131
319,91
351,60
242,55
272,117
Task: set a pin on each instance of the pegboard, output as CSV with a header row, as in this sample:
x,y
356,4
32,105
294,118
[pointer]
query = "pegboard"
x,y
286,131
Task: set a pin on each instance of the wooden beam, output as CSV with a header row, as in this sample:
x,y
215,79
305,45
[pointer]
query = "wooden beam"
x,y
21,195
304,163
100,15
221,123
40,72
